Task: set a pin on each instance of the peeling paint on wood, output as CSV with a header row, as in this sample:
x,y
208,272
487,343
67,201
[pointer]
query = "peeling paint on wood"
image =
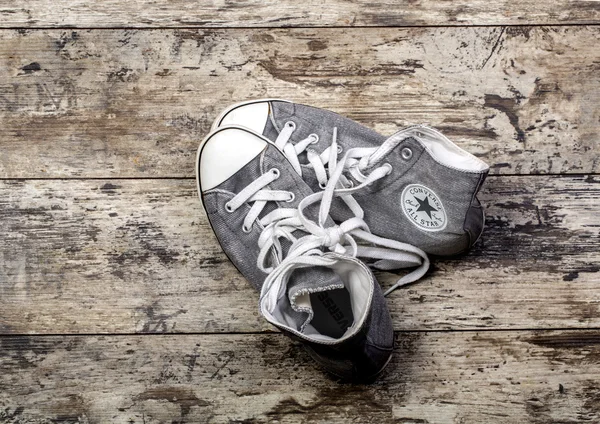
x,y
288,13
128,103
125,256
120,256
496,377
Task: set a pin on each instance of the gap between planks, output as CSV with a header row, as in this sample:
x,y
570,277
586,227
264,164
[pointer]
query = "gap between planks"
x,y
192,28
584,174
266,333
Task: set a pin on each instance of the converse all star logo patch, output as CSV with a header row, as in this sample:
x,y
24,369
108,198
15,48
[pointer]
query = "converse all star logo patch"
x,y
423,208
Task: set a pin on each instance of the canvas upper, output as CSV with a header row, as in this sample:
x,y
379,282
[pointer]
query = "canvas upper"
x,y
429,199
333,305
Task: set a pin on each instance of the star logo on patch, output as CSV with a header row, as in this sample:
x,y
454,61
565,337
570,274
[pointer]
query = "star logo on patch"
x,y
423,208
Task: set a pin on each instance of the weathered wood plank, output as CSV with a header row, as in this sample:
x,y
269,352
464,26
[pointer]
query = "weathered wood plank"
x,y
121,103
287,13
491,377
124,256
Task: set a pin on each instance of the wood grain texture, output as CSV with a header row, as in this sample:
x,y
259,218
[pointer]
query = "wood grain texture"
x,y
120,244
125,256
288,13
127,103
491,377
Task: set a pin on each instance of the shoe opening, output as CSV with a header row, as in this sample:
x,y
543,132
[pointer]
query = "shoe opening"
x,y
334,313
446,152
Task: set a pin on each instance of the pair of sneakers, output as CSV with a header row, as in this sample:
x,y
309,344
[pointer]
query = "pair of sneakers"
x,y
305,203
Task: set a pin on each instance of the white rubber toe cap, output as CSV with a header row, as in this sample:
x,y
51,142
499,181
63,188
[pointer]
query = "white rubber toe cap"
x,y
250,115
225,152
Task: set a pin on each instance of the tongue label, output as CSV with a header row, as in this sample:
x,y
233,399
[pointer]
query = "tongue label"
x,y
423,208
334,310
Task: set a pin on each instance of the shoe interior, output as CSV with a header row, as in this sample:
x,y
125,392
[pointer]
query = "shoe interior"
x,y
337,314
446,152
340,312
332,311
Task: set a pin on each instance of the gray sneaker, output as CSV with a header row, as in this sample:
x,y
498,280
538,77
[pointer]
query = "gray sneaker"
x,y
310,288
429,197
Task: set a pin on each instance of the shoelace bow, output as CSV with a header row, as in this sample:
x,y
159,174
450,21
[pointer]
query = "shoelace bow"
x,y
390,254
307,251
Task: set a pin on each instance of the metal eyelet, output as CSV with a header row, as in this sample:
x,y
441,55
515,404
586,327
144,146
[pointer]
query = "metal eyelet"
x,y
340,149
406,153
389,167
350,184
290,124
275,172
315,138
292,198
228,208
322,186
246,229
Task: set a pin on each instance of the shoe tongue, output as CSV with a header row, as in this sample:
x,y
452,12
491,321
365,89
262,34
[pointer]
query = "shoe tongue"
x,y
304,280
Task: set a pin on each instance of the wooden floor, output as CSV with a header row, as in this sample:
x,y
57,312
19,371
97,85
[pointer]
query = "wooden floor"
x,y
116,302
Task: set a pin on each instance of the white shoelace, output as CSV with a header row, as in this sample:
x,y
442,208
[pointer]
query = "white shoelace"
x,y
356,160
287,218
307,250
389,254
